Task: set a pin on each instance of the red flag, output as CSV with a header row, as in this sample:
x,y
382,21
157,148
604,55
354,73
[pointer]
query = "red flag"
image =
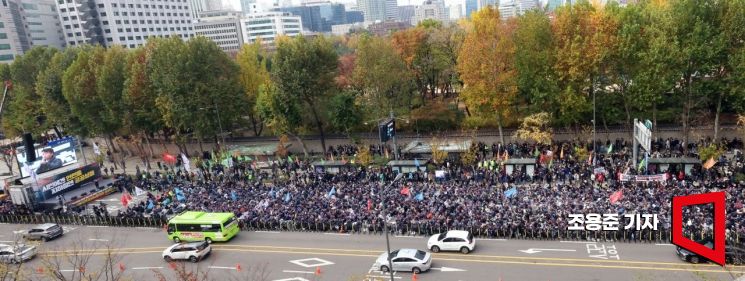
x,y
129,196
369,205
124,200
170,159
405,190
616,196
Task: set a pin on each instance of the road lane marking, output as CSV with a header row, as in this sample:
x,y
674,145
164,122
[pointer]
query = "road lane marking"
x,y
361,253
578,242
297,271
100,240
337,234
222,267
381,276
263,231
664,245
147,267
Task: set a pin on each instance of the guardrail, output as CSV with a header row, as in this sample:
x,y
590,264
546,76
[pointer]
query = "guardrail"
x,y
412,229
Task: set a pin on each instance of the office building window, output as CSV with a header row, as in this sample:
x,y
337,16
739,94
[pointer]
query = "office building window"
x,y
4,46
6,57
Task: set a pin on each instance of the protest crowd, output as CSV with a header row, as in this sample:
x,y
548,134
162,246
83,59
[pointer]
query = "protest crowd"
x,y
483,198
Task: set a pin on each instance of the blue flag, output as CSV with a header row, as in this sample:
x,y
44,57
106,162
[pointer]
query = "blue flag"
x,y
150,205
331,192
416,163
287,197
273,193
233,196
419,197
510,192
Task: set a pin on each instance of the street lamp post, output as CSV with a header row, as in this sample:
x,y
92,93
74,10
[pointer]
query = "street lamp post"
x,y
385,225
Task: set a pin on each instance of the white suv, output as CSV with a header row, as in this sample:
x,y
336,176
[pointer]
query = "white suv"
x,y
454,240
193,252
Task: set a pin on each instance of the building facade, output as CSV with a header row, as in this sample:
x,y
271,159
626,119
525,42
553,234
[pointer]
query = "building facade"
x,y
28,23
391,10
354,16
222,27
318,16
406,13
126,23
372,10
268,26
431,9
471,6
388,27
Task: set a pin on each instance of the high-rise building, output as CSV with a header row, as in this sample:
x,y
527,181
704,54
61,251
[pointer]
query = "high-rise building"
x,y
28,23
406,13
524,6
484,3
110,22
455,11
247,5
373,10
507,9
431,9
13,40
391,10
42,23
318,16
222,27
199,6
267,26
354,16
471,6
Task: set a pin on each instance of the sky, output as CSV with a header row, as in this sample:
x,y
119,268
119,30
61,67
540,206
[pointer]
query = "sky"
x,y
235,4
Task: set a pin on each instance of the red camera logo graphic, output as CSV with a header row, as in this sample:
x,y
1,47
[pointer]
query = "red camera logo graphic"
x,y
715,255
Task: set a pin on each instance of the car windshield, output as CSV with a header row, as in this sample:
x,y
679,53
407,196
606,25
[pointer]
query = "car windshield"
x,y
442,236
394,254
420,255
201,246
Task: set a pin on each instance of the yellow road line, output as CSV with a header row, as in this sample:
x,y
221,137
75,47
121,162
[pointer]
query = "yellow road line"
x,y
469,255
677,267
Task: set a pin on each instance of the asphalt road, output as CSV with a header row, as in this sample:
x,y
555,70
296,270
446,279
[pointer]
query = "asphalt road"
x,y
298,256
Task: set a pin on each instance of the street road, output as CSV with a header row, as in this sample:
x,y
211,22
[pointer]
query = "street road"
x,y
298,256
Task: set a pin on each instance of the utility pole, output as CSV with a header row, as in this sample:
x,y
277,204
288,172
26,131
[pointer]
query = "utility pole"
x,y
385,223
395,147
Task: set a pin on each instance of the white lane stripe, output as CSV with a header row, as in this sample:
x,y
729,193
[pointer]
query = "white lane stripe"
x,y
664,244
66,270
337,234
99,226
222,267
102,240
295,271
264,231
147,267
407,236
380,276
7,241
578,242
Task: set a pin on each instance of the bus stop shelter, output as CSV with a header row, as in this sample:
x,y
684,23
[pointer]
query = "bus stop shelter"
x,y
408,166
526,165
663,165
330,167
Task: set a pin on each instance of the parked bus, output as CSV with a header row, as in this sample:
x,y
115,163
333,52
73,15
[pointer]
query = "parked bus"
x,y
198,226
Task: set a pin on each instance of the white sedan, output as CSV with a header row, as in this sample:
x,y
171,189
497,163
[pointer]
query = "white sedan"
x,y
454,240
194,251
16,254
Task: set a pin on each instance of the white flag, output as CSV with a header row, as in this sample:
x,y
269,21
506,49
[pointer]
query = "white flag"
x,y
96,150
187,164
139,191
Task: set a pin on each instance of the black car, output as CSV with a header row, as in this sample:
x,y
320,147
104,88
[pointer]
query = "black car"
x,y
732,254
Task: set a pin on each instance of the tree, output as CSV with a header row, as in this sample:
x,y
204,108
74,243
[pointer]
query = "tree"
x,y
253,64
700,46
536,127
306,68
344,113
381,77
110,77
169,77
53,102
24,113
79,87
534,61
363,157
438,154
281,112
584,38
142,117
486,66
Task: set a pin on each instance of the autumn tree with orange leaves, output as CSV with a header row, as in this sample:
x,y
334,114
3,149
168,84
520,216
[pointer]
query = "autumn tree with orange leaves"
x,y
486,66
